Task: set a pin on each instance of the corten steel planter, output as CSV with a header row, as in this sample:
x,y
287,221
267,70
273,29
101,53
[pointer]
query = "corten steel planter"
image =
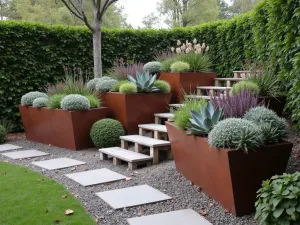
x,y
134,109
65,129
182,83
229,176
276,104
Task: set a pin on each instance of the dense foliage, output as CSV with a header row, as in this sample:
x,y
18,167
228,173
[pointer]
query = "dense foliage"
x,y
75,102
279,200
3,134
40,102
270,32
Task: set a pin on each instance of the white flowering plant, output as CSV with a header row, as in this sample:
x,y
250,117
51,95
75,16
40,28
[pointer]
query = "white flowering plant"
x,y
190,47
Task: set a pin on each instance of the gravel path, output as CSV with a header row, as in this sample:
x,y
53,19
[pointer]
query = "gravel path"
x,y
163,177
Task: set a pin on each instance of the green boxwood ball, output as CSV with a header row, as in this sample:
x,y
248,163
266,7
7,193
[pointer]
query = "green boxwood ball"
x,y
180,67
40,102
245,84
163,86
117,86
166,65
128,88
106,133
27,99
75,102
3,134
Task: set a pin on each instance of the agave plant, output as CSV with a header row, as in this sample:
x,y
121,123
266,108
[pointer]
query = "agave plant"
x,y
202,123
144,82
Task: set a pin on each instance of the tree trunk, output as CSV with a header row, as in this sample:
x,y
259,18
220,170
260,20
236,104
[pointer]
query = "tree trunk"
x,y
97,50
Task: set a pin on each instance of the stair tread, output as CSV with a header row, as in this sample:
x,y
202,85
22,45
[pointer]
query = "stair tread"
x,y
164,115
213,88
198,97
145,141
125,155
230,79
176,105
154,127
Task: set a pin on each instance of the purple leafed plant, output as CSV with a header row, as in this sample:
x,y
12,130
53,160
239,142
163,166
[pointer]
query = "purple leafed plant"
x,y
121,70
164,55
236,105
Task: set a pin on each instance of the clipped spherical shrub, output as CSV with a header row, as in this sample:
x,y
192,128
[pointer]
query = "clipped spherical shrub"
x,y
261,115
106,85
236,133
106,133
27,99
180,67
54,101
163,86
92,83
94,101
40,102
75,102
128,88
166,65
3,134
117,86
152,67
242,85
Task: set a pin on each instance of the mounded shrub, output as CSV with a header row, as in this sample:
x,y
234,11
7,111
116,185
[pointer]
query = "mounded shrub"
x,y
180,67
3,134
91,84
128,88
242,85
236,133
75,102
152,67
279,200
163,86
106,133
40,102
166,65
54,101
27,99
261,116
94,101
106,85
117,86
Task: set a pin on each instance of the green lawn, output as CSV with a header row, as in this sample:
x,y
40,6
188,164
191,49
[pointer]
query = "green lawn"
x,y
29,198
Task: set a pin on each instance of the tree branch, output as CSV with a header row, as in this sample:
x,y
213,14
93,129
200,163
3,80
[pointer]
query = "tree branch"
x,y
104,7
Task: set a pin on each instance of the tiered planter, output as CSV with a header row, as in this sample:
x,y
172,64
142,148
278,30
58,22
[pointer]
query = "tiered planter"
x,y
66,129
277,104
186,83
229,176
134,109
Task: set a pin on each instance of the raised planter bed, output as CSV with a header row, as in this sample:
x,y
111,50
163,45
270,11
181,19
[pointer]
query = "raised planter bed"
x,y
276,104
229,176
65,129
134,109
186,83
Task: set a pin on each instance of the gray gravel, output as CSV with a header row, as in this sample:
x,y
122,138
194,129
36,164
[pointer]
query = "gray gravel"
x,y
163,177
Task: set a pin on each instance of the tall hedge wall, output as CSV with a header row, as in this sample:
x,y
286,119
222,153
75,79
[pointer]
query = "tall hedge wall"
x,y
32,54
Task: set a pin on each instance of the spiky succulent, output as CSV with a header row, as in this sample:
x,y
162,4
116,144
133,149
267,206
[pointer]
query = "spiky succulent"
x,y
144,82
202,123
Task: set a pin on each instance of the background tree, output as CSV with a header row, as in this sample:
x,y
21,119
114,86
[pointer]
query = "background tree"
x,y
242,6
185,13
225,12
150,21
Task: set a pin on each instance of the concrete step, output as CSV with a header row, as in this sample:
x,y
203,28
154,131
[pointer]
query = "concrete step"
x,y
120,154
229,81
198,97
174,107
211,89
160,116
158,131
155,145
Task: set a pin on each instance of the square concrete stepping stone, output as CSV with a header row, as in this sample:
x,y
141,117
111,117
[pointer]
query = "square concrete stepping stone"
x,y
132,196
60,163
25,154
93,177
180,217
7,147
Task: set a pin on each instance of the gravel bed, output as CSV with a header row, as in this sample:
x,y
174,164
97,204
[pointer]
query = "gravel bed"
x,y
163,177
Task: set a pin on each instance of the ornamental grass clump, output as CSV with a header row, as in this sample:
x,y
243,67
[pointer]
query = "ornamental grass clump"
x,y
117,86
180,67
106,85
122,69
128,88
244,85
94,101
152,67
40,102
27,99
236,105
106,133
237,134
163,86
262,116
54,101
279,200
75,102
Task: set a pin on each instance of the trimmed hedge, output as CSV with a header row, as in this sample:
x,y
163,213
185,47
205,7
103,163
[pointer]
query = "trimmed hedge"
x,y
33,54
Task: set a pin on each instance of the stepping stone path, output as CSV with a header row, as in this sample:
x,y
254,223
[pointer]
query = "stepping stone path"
x,y
132,196
180,217
7,147
60,163
25,154
93,177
